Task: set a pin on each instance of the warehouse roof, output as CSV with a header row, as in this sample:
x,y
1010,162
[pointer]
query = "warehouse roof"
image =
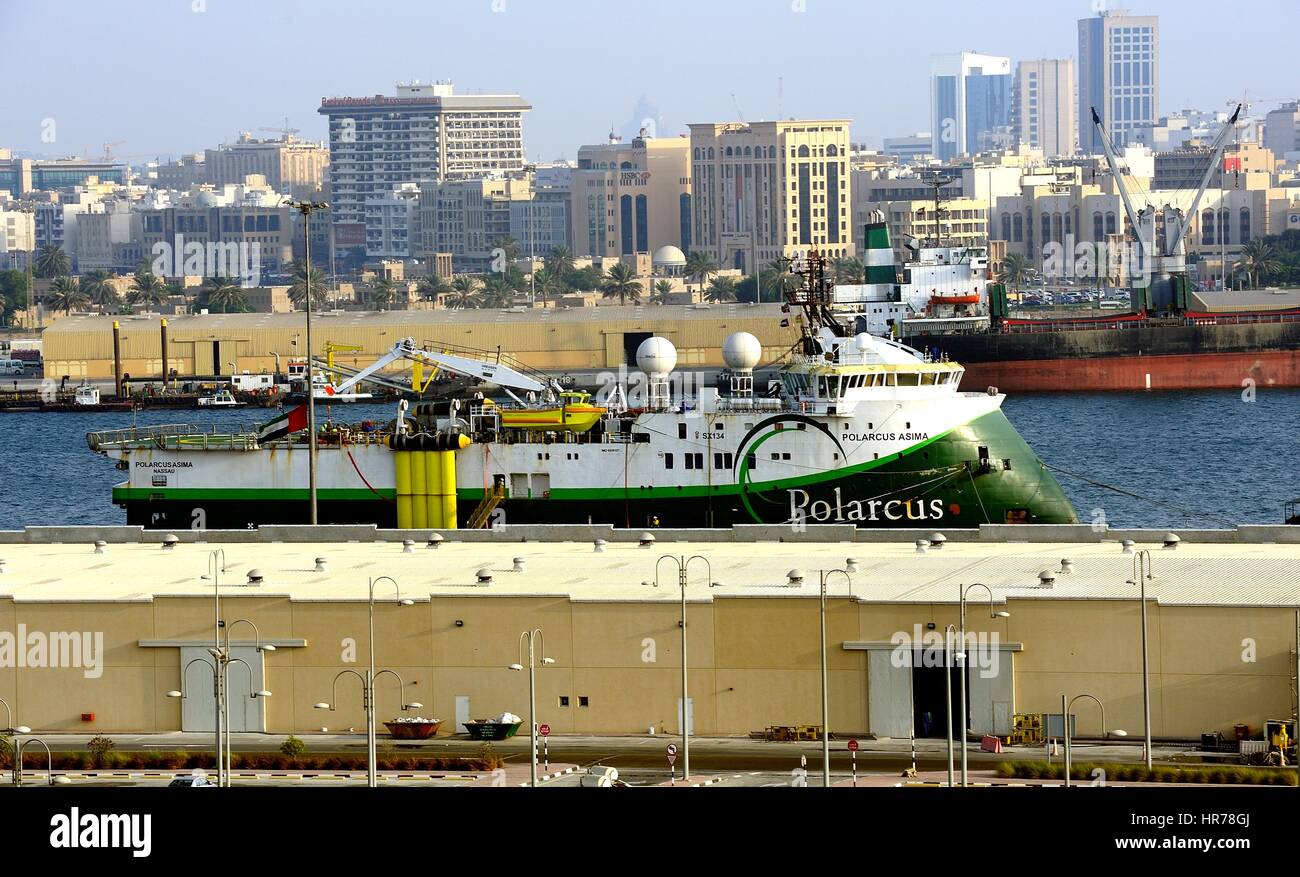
x,y
414,319
1211,572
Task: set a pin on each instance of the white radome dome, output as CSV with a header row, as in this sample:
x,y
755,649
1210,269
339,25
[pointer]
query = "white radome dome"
x,y
741,351
668,257
656,356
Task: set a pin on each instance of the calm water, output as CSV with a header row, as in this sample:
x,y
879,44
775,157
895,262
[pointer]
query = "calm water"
x,y
1195,459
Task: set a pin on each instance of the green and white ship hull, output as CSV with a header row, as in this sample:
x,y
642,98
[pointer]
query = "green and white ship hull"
x,y
875,436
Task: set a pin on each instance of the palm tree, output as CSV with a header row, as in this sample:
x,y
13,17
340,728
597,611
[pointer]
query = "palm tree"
x,y
700,266
778,280
663,291
146,288
547,282
509,246
432,285
497,291
848,269
1258,260
51,261
559,261
1015,270
721,289
464,291
66,295
103,294
302,273
382,293
621,283
224,295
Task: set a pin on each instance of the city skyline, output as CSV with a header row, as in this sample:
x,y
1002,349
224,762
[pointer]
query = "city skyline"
x,y
579,94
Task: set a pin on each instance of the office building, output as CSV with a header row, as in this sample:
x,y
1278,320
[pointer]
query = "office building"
x,y
295,167
916,148
1044,106
768,190
632,197
970,99
1282,131
1119,75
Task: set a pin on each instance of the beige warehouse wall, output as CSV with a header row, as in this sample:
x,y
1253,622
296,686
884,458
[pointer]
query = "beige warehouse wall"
x,y
754,661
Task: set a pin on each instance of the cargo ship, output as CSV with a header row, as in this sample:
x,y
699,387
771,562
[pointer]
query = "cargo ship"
x,y
1171,337
856,429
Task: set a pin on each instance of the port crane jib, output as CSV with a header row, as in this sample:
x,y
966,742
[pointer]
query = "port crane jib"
x,y
501,375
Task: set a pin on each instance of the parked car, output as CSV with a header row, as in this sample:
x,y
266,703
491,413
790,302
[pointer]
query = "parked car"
x,y
193,782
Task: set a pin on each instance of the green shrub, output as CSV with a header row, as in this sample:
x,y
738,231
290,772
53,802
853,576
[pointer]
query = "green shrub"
x,y
99,747
292,747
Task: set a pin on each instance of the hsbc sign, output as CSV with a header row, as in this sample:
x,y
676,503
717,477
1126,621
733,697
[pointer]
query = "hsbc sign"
x,y
1293,220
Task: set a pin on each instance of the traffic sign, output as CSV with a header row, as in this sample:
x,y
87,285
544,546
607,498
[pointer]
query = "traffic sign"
x,y
544,730
672,749
853,745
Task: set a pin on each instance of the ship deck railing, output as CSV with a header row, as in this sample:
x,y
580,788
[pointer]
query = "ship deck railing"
x,y
170,436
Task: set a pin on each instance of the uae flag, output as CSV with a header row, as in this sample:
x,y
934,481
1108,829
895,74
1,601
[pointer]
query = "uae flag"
x,y
291,421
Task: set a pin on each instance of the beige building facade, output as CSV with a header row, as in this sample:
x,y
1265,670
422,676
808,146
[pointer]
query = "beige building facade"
x,y
1044,106
768,190
1221,629
632,197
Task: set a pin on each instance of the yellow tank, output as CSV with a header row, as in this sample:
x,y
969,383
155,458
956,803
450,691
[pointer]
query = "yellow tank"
x,y
419,489
402,484
432,499
447,488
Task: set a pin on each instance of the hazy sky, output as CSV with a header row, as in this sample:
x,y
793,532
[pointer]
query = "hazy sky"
x,y
174,76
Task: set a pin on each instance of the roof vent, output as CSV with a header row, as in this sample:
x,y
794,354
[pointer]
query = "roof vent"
x,y
1067,566
519,564
600,545
1172,540
922,546
320,564
937,540
255,577
1046,579
100,545
169,541
408,546
435,540
646,539
795,577
1128,546
850,565
484,576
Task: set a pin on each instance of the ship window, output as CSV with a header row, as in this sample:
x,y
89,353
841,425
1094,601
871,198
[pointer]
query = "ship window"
x,y
1006,464
717,461
785,456
908,379
690,460
717,426
699,460
583,700
891,380
751,460
681,430
775,455
668,461
929,379
564,700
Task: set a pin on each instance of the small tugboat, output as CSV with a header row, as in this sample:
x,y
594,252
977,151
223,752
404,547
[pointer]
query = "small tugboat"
x,y
220,399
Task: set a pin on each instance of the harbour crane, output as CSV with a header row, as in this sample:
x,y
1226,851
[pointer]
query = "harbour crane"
x,y
1166,288
501,375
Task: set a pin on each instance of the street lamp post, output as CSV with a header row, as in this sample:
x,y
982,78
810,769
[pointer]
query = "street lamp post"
x,y
850,567
1141,575
220,669
368,682
14,730
222,656
18,759
307,208
683,565
949,632
1065,722
533,660
965,662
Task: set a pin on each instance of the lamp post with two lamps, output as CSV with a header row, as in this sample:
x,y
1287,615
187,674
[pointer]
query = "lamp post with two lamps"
x,y
1142,575
307,208
368,682
1065,723
964,660
533,660
220,667
683,566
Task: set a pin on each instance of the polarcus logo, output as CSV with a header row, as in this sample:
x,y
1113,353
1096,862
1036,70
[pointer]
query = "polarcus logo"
x,y
802,507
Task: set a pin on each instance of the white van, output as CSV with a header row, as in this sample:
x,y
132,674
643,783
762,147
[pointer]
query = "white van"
x,y
12,367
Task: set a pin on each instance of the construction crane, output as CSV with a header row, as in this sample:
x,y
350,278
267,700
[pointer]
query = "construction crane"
x,y
1166,289
739,115
284,132
108,149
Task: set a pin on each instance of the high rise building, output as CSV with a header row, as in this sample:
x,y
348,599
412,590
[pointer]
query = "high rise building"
x,y
778,188
1044,106
470,218
632,197
424,132
970,99
1282,130
1119,75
